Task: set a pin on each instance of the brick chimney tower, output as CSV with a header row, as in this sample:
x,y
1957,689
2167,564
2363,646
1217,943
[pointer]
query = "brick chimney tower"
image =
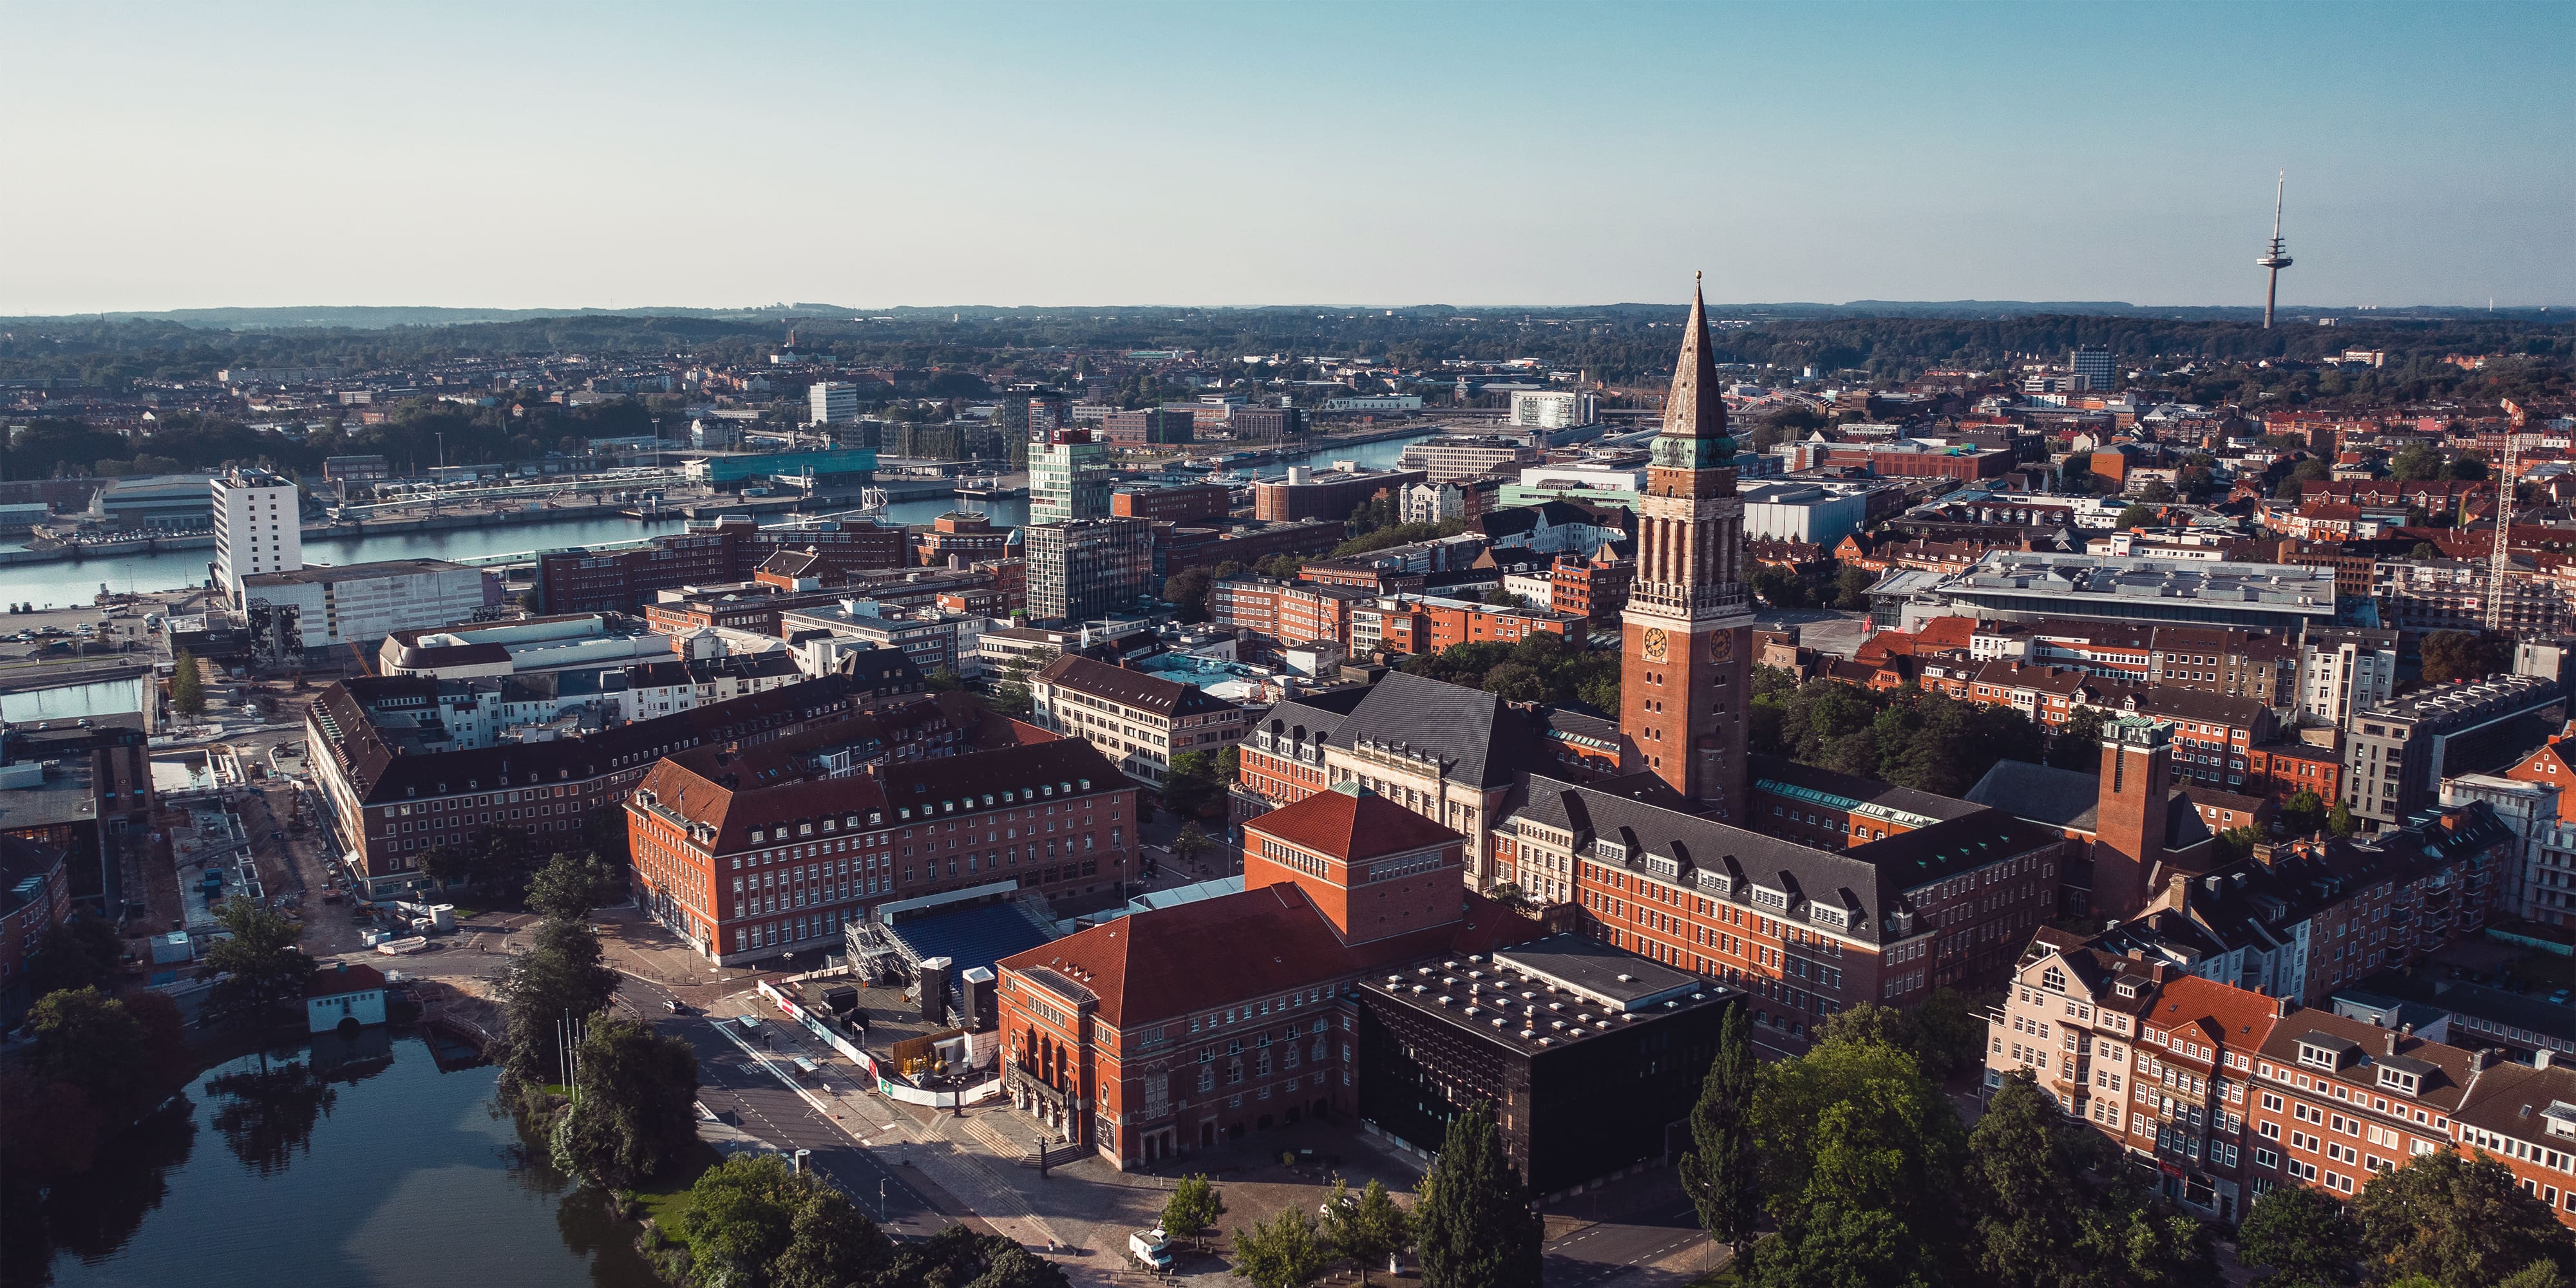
x,y
2129,815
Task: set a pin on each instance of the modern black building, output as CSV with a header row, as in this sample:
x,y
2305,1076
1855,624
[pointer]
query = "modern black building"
x,y
1591,1057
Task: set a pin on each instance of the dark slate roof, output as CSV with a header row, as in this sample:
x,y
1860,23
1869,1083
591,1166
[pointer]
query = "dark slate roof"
x,y
1479,738
1720,861
2177,703
2058,797
951,785
380,772
1128,688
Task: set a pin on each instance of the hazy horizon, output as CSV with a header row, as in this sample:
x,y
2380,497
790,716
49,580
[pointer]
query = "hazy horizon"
x,y
484,157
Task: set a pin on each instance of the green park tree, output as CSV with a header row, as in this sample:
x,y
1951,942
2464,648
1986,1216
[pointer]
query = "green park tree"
x,y
1851,587
1192,1209
569,886
1368,1229
1187,591
74,953
187,688
2077,744
90,1041
259,968
1283,1252
2303,1235
1861,1154
2464,656
2018,1184
1472,1222
2138,516
563,976
1720,1172
2417,461
2457,1219
632,1105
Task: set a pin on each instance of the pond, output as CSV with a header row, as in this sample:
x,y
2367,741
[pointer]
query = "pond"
x,y
354,1162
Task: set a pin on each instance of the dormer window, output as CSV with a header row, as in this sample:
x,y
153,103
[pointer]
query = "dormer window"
x,y
2397,1080
755,836
2318,1051
804,829
1770,898
2126,988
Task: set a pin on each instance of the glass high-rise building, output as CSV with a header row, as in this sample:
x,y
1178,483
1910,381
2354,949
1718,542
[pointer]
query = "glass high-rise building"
x,y
1069,478
1087,568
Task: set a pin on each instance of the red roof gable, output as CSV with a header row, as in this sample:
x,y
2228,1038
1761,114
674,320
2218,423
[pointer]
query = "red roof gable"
x,y
1173,962
1351,823
2235,1018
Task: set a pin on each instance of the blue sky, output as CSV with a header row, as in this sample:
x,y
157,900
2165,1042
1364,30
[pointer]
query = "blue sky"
x,y
545,155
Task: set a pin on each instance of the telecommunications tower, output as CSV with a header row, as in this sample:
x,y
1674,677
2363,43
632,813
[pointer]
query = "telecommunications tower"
x,y
2275,260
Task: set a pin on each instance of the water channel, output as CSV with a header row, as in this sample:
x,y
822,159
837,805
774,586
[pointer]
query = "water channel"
x,y
67,583
355,1162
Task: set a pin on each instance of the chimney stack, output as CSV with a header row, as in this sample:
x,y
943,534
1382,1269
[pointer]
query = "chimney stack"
x,y
2180,884
2282,1006
2478,1060
2540,1058
2392,1042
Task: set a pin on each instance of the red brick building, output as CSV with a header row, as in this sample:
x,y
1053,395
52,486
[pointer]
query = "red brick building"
x,y
1174,1030
752,853
729,549
1178,504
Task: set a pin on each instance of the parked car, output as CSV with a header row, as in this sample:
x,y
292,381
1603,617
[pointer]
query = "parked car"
x,y
2558,998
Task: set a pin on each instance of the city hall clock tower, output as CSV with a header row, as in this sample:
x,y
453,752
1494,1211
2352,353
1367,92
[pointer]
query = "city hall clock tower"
x,y
1685,670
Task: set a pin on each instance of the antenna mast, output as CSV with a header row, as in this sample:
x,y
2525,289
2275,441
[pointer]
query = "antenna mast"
x,y
2274,260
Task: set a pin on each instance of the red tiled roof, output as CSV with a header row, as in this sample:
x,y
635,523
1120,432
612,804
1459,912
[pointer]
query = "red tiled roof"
x,y
1173,962
2236,1018
1351,823
338,978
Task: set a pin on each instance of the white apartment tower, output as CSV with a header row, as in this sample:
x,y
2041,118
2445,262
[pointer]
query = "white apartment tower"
x,y
1554,408
256,528
2343,671
834,402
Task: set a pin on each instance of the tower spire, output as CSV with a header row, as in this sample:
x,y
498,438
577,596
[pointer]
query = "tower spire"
x,y
2274,259
1695,408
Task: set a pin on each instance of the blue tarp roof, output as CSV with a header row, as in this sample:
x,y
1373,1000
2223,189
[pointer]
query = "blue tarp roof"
x,y
975,937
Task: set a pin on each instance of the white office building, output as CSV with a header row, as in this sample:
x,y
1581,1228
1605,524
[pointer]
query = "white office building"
x,y
1809,512
257,528
1554,408
834,402
361,604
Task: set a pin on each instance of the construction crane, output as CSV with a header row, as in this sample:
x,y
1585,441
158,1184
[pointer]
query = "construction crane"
x,y
2507,472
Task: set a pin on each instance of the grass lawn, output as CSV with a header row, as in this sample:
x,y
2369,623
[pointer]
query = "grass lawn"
x,y
669,1196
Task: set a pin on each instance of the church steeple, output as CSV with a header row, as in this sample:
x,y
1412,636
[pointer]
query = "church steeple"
x,y
1696,407
1685,665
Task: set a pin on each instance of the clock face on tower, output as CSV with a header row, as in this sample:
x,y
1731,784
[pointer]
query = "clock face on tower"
x,y
1654,644
1721,647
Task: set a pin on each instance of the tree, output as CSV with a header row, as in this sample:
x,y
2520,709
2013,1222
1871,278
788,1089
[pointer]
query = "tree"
x,y
1781,588
2077,744
2458,1219
74,953
1512,898
752,1221
2417,461
2019,1186
2137,516
259,968
1472,1222
90,1041
1193,1208
1011,695
568,887
603,834
1860,1152
1720,1172
1516,682
2303,813
1187,590
1851,587
2156,492
961,1258
2465,469
1191,788
2303,1235
1282,1253
187,689
2424,550
1191,842
1368,1229
632,1107
2464,656
561,977
2339,820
